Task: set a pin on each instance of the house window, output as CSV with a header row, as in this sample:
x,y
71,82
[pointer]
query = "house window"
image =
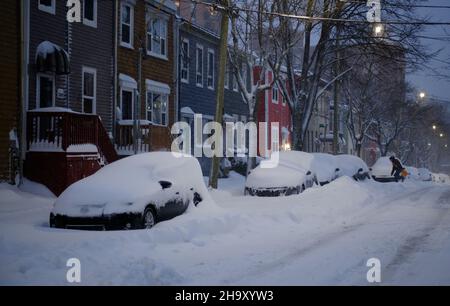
x,y
157,105
275,93
89,84
126,25
199,66
48,6
185,61
126,102
45,91
157,37
227,77
210,75
90,13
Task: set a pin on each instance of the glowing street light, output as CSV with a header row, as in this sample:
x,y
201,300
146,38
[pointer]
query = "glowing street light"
x,y
422,95
434,127
378,30
441,135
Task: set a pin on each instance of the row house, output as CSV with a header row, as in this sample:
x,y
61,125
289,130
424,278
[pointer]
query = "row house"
x,y
146,72
10,89
69,90
198,73
275,111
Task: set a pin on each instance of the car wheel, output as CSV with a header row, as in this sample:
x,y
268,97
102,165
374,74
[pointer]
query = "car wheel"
x,y
303,188
149,218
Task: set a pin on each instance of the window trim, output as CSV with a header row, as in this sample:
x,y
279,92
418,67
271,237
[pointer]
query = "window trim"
x,y
131,43
210,51
90,23
186,81
94,98
128,89
147,92
151,17
199,47
38,88
47,9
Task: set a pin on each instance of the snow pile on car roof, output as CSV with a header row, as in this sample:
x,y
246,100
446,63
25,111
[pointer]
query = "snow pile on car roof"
x,y
324,166
349,165
382,167
133,179
279,176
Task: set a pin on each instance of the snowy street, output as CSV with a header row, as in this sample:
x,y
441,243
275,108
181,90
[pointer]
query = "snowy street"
x,y
324,236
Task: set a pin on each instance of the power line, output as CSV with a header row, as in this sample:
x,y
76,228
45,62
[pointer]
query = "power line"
x,y
312,19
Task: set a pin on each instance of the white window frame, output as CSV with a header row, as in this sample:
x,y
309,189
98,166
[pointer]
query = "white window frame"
x,y
94,98
38,88
128,89
275,91
153,113
163,21
187,56
210,51
90,23
47,9
131,25
201,72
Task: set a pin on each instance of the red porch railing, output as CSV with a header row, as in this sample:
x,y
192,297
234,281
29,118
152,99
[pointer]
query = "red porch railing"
x,y
125,144
57,131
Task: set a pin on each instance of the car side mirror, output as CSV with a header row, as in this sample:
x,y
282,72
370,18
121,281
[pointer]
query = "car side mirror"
x,y
308,173
360,170
165,184
337,169
370,169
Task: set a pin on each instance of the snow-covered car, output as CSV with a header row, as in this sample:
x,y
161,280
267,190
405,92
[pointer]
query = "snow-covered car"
x,y
425,175
292,175
352,166
133,193
325,167
413,173
381,170
443,178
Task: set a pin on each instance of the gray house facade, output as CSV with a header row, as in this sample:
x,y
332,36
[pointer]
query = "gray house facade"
x,y
71,65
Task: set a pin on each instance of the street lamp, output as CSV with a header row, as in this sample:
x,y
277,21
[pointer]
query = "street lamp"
x,y
441,135
378,30
422,95
434,127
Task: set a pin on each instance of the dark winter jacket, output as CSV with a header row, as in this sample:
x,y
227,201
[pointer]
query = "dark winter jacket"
x,y
396,166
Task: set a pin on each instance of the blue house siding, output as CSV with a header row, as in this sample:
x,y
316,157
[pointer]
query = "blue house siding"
x,y
202,100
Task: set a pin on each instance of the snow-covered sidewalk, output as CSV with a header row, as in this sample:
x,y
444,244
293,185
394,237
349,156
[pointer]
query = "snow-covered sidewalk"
x,y
323,236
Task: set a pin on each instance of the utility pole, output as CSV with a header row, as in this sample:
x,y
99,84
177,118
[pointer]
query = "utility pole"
x,y
336,94
214,176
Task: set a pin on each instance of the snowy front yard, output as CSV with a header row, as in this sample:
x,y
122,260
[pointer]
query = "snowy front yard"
x,y
323,236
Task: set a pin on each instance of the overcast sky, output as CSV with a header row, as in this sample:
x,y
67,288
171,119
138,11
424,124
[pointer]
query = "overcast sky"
x,y
423,79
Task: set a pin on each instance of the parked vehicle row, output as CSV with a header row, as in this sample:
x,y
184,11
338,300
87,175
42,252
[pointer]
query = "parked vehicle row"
x,y
297,171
